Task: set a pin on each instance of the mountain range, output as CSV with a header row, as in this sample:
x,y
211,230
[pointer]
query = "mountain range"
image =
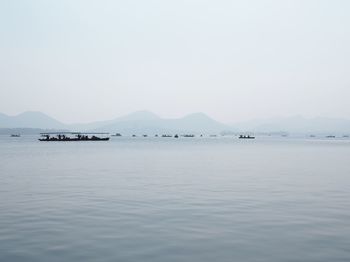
x,y
145,122
140,122
296,124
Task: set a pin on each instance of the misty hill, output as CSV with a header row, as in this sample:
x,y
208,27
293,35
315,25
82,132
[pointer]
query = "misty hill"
x,y
140,122
296,124
143,122
30,119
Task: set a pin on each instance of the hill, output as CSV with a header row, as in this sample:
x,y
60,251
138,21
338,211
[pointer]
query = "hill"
x,y
30,119
296,124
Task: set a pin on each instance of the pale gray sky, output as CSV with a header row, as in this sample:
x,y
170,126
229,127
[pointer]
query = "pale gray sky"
x,y
84,60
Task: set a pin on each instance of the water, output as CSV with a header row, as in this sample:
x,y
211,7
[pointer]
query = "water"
x,y
162,199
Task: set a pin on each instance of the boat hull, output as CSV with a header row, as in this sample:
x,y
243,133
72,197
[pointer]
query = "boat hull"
x,y
73,139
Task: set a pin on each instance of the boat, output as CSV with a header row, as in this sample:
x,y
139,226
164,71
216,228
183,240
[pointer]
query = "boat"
x,y
167,136
73,136
145,135
189,135
117,134
15,135
176,136
246,137
330,136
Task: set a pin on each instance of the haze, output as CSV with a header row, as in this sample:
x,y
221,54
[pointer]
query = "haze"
x,y
83,61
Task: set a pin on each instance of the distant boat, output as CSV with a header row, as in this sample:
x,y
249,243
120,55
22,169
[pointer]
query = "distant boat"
x,y
176,136
246,137
15,135
312,136
330,136
117,134
73,136
189,135
345,136
133,135
156,135
145,135
167,136
213,135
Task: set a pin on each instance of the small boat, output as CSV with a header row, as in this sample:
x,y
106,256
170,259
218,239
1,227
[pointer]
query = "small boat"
x,y
156,136
330,136
167,136
189,135
176,136
345,136
133,135
213,135
117,134
15,135
73,136
246,137
145,135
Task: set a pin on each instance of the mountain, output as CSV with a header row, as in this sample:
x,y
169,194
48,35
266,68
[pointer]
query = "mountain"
x,y
139,117
30,119
296,124
143,122
140,122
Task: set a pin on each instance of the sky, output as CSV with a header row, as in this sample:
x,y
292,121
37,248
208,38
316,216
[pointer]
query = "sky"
x,y
82,61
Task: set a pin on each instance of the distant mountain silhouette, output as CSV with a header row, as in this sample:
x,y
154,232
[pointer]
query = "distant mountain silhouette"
x,y
296,124
143,122
140,122
30,119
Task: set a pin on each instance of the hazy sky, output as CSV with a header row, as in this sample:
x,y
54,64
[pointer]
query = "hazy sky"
x,y
83,60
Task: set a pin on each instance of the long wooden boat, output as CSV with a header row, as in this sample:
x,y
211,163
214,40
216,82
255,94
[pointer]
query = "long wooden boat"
x,y
73,136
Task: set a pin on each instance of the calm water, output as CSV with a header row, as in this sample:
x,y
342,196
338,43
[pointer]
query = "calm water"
x,y
147,199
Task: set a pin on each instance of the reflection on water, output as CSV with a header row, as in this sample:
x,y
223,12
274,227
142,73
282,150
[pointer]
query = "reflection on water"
x,y
150,199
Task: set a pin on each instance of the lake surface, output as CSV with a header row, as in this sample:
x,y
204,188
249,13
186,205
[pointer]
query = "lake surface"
x,y
166,199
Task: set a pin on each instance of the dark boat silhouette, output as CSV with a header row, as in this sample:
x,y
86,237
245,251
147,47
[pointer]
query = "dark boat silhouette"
x,y
117,134
73,136
15,135
176,136
246,137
